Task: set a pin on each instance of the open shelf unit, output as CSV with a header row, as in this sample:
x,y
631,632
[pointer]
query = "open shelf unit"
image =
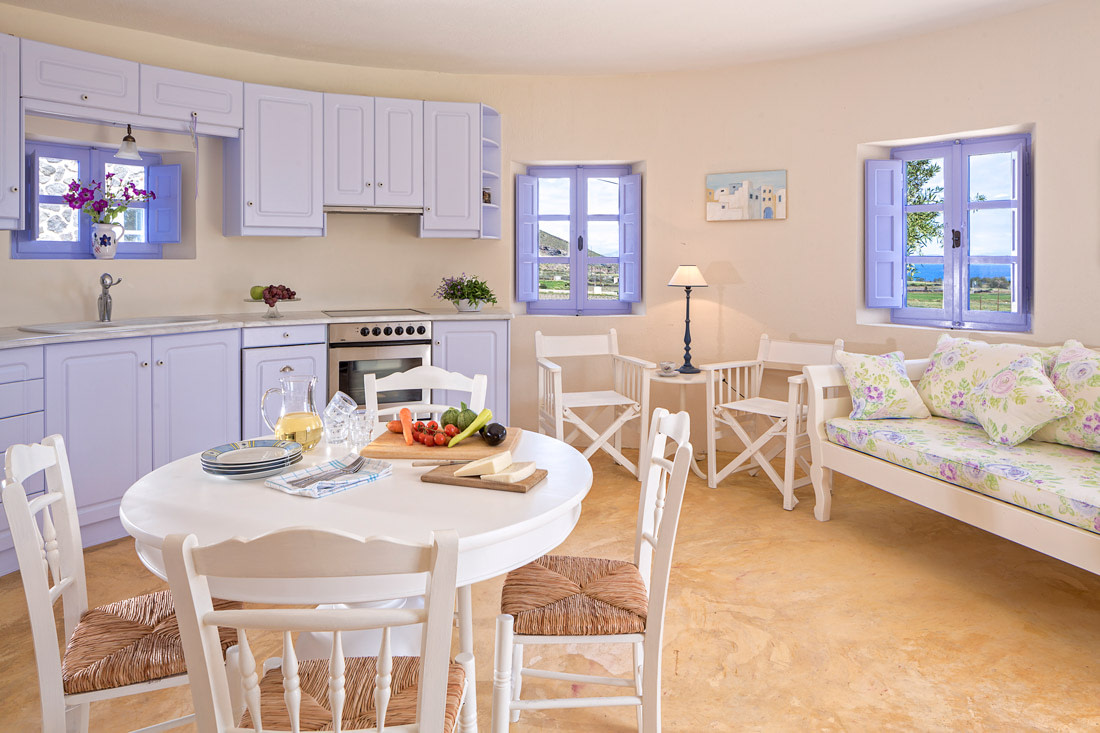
x,y
490,172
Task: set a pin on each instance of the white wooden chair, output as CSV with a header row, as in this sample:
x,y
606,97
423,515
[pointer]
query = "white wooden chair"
x,y
383,693
577,600
733,400
626,400
425,378
123,648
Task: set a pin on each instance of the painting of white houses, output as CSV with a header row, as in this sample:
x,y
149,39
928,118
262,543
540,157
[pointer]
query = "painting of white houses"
x,y
753,195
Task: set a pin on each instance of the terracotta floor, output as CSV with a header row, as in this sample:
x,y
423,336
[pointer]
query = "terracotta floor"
x,y
887,618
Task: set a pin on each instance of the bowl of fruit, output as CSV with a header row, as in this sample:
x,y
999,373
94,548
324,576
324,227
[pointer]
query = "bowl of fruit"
x,y
270,295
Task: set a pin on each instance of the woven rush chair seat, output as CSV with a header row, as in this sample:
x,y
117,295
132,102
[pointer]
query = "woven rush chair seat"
x,y
359,710
559,595
129,641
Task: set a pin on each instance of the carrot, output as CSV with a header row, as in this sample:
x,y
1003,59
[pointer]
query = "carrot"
x,y
406,424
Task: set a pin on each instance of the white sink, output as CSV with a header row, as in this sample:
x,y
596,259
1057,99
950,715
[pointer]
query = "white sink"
x,y
125,324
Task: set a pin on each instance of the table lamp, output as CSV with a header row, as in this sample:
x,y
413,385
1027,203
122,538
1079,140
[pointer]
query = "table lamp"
x,y
687,277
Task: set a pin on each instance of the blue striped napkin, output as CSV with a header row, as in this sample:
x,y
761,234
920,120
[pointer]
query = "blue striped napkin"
x,y
373,470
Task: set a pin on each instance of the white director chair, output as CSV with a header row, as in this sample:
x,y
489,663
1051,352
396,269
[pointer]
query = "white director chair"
x,y
627,400
734,401
425,378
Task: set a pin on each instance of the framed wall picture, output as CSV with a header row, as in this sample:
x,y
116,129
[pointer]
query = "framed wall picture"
x,y
743,196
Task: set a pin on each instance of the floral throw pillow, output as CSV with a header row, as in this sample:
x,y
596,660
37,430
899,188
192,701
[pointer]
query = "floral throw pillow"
x,y
1016,401
958,366
880,387
1076,375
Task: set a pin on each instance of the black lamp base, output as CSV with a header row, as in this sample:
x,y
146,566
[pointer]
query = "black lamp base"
x,y
688,369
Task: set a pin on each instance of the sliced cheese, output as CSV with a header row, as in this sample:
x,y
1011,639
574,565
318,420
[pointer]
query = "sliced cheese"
x,y
490,464
513,474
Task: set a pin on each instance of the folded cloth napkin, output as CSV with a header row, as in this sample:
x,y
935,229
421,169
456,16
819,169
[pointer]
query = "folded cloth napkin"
x,y
371,471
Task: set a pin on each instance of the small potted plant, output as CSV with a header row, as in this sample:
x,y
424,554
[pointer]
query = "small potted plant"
x,y
103,202
467,293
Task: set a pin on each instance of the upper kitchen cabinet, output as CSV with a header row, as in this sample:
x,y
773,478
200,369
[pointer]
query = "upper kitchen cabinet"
x,y
57,74
399,152
181,95
11,136
349,150
452,169
274,173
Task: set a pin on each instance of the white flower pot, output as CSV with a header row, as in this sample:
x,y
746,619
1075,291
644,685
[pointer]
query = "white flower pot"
x,y
465,306
105,240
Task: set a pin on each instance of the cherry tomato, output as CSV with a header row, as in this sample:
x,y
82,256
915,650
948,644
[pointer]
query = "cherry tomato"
x,y
426,439
418,427
432,426
451,431
441,439
394,426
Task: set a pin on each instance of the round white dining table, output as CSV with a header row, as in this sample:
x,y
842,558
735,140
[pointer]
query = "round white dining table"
x,y
498,530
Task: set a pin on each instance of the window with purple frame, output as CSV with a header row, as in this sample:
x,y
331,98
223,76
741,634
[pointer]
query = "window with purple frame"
x,y
55,231
578,239
948,234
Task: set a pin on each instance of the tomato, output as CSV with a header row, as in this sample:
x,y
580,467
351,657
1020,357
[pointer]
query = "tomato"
x,y
451,431
432,426
426,439
418,427
394,426
441,439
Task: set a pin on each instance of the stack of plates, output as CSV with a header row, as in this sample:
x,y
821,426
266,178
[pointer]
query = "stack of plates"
x,y
251,459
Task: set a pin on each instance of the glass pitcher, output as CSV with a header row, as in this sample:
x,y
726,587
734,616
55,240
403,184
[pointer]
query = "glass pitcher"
x,y
298,418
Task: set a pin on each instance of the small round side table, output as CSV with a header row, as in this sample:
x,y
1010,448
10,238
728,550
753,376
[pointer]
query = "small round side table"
x,y
683,381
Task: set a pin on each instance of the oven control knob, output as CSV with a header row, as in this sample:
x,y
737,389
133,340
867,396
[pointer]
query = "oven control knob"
x,y
364,331
376,331
421,330
399,330
387,330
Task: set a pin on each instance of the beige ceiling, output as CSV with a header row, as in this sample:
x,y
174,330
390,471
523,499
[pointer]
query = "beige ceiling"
x,y
534,36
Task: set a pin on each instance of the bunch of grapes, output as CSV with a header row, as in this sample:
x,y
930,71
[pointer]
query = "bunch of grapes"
x,y
274,293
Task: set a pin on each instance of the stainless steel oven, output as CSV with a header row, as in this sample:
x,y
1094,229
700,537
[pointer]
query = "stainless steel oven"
x,y
397,344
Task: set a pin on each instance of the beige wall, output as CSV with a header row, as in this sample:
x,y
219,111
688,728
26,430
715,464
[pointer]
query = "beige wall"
x,y
799,278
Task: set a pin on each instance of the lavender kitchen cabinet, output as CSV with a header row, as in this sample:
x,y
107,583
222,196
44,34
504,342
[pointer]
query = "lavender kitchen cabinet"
x,y
11,136
21,402
58,74
452,170
349,150
274,173
475,347
127,405
261,370
196,393
398,152
189,97
99,398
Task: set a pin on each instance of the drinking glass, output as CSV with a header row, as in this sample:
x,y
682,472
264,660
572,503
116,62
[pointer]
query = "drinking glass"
x,y
361,427
337,416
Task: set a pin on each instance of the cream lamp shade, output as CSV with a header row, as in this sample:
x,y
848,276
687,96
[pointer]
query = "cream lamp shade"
x,y
129,149
687,276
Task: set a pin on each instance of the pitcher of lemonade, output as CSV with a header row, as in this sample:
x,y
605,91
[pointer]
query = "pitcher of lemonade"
x,y
298,418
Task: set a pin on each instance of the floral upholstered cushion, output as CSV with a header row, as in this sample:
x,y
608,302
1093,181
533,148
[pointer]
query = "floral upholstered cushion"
x,y
1076,375
1057,481
1016,401
880,387
959,365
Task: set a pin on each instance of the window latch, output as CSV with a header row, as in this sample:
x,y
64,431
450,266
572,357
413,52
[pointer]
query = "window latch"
x,y
956,239
580,242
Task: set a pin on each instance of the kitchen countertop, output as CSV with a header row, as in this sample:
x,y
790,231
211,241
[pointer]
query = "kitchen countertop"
x,y
11,337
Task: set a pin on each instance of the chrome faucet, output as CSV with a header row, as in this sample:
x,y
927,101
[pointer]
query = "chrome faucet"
x,y
104,303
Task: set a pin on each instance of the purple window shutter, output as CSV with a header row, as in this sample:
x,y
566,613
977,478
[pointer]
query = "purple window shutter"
x,y
164,210
527,239
630,238
884,233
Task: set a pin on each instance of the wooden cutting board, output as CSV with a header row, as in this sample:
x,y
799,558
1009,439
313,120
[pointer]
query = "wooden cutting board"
x,y
392,445
446,475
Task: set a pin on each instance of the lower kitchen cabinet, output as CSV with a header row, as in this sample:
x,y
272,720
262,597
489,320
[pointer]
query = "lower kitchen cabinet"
x,y
475,347
261,370
125,406
13,430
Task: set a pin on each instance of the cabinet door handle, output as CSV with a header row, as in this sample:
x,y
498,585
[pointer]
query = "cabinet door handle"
x,y
145,363
249,203
84,97
286,334
287,368
380,184
160,362
15,189
368,184
428,208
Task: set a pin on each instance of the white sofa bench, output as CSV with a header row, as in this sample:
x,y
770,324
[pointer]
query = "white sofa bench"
x,y
829,399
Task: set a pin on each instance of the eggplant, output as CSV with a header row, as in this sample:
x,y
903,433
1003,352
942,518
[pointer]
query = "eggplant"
x,y
493,433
